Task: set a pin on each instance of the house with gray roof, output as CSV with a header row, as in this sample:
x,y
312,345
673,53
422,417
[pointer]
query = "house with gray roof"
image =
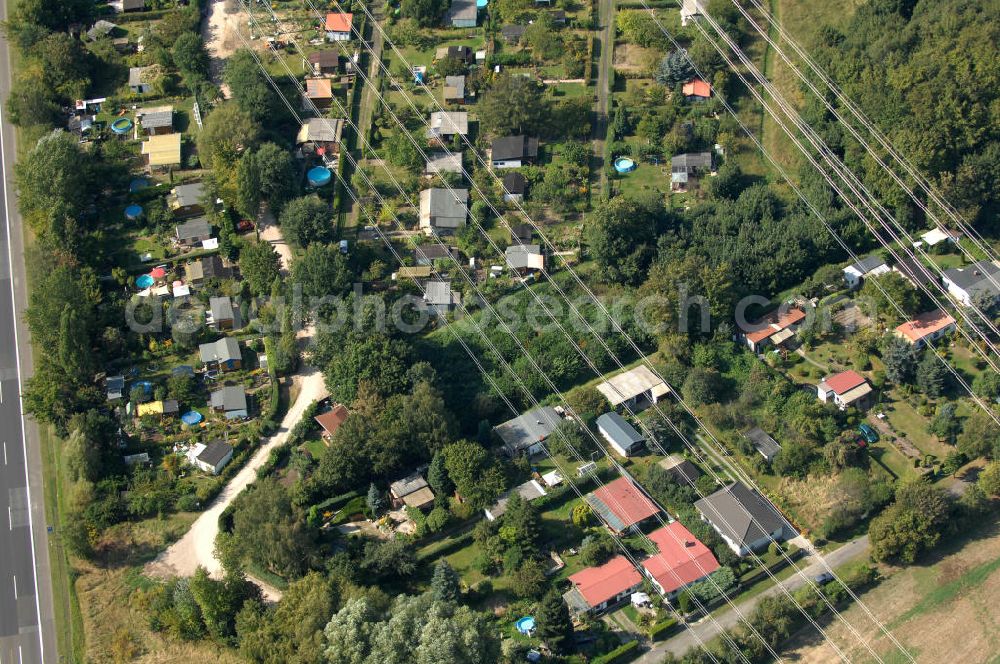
x,y
529,491
444,125
680,470
443,210
512,33
454,89
525,433
440,298
428,254
231,401
462,14
212,458
100,29
116,387
156,121
185,200
686,168
745,519
972,282
767,447
137,80
222,316
224,353
524,258
443,162
621,435
869,266
193,232
514,151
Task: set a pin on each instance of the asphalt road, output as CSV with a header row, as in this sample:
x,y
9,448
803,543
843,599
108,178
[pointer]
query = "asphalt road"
x,y
27,632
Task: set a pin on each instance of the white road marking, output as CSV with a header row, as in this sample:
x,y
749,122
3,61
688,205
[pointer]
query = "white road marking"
x,y
5,452
20,654
10,517
14,576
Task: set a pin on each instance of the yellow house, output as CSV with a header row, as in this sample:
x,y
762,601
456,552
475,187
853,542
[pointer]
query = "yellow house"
x,y
162,151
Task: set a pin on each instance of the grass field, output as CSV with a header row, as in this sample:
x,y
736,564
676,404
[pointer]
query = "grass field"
x,y
941,611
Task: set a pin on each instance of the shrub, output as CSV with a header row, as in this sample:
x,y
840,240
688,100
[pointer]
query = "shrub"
x,y
622,653
662,630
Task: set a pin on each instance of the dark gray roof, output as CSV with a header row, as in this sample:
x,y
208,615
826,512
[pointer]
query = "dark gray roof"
x,y
433,252
690,162
195,228
742,514
766,445
914,270
325,58
230,398
215,452
157,119
680,470
133,4
222,350
189,194
620,431
212,266
521,233
525,430
513,32
463,10
868,263
100,29
408,485
975,278
515,183
514,147
222,309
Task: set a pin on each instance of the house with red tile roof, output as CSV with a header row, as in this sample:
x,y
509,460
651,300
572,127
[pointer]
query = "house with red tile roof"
x,y
598,588
926,328
621,505
847,388
331,420
680,561
774,329
338,26
697,90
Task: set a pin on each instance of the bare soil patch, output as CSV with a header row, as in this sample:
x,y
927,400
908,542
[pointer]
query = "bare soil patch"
x,y
630,57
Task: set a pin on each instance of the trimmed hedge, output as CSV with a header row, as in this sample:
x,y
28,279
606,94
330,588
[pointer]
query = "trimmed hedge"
x,y
662,630
624,653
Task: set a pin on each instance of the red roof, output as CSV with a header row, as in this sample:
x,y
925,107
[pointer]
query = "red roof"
x,y
625,502
845,381
331,420
319,88
925,324
697,88
337,22
603,583
682,558
776,324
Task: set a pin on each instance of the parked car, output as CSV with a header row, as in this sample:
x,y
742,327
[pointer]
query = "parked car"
x,y
869,433
825,577
244,225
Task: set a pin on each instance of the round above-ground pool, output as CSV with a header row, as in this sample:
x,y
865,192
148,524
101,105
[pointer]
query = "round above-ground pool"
x,y
146,386
144,281
133,212
191,417
624,165
318,176
137,184
121,126
481,4
526,625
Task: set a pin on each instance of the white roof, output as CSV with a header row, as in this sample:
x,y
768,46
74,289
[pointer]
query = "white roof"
x,y
552,478
210,243
935,236
182,291
631,384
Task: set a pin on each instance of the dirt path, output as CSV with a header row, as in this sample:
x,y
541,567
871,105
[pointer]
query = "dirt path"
x,y
197,547
220,30
271,233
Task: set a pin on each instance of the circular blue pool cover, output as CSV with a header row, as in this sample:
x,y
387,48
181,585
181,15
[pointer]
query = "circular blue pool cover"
x,y
133,211
318,176
191,417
